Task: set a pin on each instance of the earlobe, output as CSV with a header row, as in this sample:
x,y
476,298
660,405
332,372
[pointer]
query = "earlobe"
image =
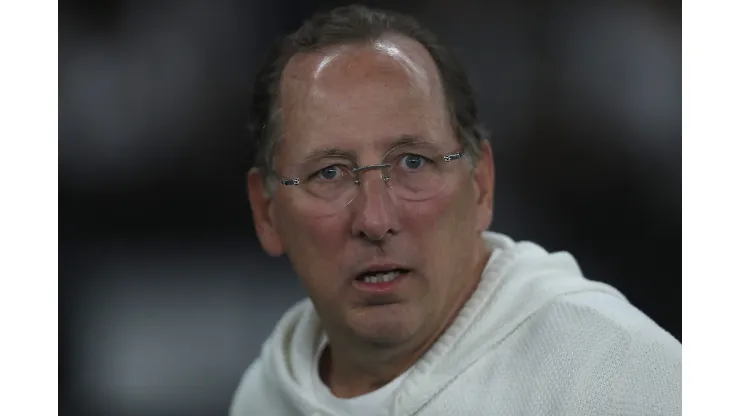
x,y
262,213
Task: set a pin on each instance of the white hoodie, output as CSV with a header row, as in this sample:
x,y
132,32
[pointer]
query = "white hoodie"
x,y
535,338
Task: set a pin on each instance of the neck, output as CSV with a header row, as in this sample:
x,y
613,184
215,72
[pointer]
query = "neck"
x,y
357,368
351,375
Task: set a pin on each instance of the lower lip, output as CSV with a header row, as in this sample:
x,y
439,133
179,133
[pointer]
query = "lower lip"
x,y
379,287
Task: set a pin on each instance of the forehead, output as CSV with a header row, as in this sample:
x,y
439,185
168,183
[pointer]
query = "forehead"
x,y
361,97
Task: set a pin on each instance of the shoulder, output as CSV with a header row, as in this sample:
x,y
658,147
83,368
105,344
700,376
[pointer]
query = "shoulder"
x,y
250,394
259,393
264,388
627,364
604,316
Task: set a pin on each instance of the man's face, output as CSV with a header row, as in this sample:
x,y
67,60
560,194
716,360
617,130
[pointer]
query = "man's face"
x,y
360,100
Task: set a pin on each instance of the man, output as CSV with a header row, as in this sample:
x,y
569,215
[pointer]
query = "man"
x,y
375,178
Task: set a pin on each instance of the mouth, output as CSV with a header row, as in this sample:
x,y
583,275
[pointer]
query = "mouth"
x,y
380,279
381,276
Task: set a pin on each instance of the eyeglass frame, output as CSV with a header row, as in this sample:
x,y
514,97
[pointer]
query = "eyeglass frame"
x,y
355,171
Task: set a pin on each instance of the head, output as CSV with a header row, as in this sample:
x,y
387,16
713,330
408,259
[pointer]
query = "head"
x,y
357,87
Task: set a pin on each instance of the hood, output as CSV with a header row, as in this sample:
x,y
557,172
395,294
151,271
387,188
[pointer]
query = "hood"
x,y
518,280
288,355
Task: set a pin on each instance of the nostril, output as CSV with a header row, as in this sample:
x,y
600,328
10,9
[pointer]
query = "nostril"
x,y
375,238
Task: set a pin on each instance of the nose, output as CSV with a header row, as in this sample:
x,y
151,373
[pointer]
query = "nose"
x,y
374,208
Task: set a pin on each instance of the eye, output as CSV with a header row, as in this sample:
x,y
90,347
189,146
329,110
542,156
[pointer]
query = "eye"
x,y
412,161
328,173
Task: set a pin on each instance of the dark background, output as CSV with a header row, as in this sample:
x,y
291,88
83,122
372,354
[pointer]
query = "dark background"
x,y
165,294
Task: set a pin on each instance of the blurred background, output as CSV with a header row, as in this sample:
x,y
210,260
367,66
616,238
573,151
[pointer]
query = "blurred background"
x,y
165,293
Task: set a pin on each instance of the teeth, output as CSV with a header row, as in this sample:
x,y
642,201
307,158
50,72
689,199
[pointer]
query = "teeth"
x,y
381,277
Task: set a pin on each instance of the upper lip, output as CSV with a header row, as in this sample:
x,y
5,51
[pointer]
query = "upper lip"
x,y
380,268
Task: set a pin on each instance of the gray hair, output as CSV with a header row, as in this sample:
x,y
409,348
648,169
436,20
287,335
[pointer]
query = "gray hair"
x,y
349,25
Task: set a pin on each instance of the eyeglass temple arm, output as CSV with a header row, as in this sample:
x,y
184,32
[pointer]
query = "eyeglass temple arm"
x,y
452,156
288,182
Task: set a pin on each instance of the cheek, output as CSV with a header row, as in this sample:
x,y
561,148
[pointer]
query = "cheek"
x,y
439,227
313,247
312,244
448,213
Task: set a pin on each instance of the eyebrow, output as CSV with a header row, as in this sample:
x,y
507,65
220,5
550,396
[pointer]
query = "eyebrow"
x,y
327,152
408,139
330,152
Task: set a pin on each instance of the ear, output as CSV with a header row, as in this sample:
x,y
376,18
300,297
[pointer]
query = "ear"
x,y
263,213
484,177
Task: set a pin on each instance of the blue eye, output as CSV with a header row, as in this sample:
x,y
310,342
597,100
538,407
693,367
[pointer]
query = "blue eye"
x,y
328,173
412,162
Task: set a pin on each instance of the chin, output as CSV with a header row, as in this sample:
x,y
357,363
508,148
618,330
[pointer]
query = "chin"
x,y
384,327
386,337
